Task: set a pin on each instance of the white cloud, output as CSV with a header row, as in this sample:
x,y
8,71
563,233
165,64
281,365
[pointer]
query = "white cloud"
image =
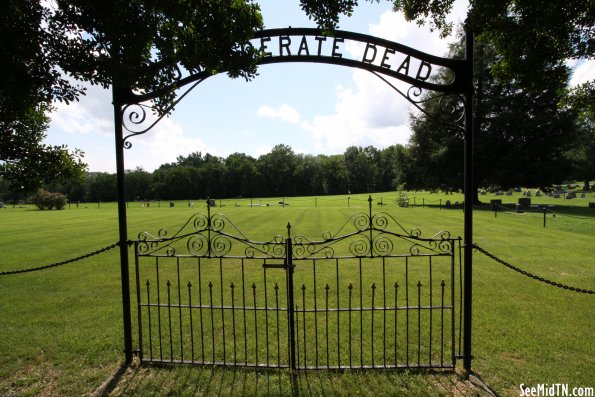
x,y
93,113
283,112
584,71
162,144
261,150
372,113
393,26
93,116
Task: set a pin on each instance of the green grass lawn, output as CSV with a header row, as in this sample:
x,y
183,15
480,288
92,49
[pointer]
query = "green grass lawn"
x,y
62,328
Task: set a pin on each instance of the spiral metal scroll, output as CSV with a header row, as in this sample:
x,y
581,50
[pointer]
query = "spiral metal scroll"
x,y
415,96
270,249
136,119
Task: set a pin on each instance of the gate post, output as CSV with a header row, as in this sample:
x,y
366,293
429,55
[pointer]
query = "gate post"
x,y
123,230
290,298
469,188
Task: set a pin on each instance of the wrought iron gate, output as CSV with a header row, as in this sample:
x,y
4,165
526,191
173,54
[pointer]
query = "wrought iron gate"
x,y
371,295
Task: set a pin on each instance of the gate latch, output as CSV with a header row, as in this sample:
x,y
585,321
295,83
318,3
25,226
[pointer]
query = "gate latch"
x,y
274,265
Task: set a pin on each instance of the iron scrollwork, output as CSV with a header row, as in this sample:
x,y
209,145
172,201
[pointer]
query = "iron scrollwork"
x,y
452,106
211,236
362,235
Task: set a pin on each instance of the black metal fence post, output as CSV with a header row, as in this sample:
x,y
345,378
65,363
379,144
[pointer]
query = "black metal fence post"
x,y
122,224
290,298
469,196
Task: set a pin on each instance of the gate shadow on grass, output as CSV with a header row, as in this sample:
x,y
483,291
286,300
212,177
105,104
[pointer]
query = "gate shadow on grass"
x,y
218,381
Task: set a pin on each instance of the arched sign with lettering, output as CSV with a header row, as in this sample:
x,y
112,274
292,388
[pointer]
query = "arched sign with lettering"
x,y
381,57
372,54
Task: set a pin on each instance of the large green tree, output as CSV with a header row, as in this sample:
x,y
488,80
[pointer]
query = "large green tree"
x,y
148,45
582,152
29,82
138,46
521,132
526,34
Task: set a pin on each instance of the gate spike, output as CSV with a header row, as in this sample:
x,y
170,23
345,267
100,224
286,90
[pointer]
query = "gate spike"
x,y
276,287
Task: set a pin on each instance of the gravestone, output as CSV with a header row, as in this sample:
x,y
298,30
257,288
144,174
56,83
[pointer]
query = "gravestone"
x,y
524,202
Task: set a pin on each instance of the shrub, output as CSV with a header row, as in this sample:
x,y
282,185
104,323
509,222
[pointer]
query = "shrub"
x,y
45,200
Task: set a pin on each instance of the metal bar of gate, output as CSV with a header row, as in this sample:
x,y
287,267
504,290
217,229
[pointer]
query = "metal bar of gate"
x,y
290,298
469,196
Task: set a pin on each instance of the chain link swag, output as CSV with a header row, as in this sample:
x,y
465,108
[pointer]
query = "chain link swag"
x,y
533,276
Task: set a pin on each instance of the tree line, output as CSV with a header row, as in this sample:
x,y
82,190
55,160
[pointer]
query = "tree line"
x,y
281,172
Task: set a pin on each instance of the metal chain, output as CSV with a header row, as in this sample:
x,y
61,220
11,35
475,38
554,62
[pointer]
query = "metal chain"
x,y
526,273
34,269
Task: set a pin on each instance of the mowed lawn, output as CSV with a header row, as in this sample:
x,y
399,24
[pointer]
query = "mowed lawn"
x,y
61,329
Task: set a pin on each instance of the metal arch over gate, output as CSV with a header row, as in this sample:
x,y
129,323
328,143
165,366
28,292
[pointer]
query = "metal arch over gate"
x,y
383,58
371,295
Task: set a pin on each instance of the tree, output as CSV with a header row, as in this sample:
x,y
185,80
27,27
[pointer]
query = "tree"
x,y
308,175
362,168
29,82
276,170
582,153
240,175
335,171
30,79
26,162
137,46
146,46
101,187
138,184
528,35
521,133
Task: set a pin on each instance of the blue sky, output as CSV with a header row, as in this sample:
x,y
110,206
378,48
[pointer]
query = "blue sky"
x,y
313,108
